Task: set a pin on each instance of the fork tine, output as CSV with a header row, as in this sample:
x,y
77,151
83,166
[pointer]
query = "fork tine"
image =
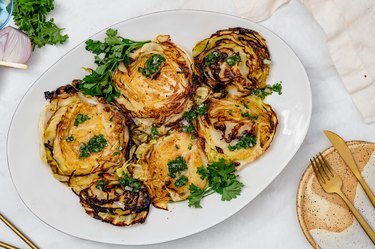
x,y
323,166
317,171
326,164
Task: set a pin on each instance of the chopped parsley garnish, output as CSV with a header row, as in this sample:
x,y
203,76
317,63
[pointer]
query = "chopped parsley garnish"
x,y
111,119
193,114
233,59
212,57
181,181
176,166
268,90
80,118
101,184
190,146
84,151
193,137
244,142
177,147
108,55
154,133
188,128
152,66
95,144
247,115
221,179
126,180
117,151
69,138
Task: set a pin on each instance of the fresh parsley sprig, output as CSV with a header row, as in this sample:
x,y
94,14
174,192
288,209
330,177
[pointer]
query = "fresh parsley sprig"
x,y
221,179
108,54
31,17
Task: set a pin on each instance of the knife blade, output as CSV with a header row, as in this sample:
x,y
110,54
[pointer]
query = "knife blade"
x,y
347,156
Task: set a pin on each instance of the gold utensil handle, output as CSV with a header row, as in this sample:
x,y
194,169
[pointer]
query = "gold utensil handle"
x,y
359,217
367,190
7,246
14,229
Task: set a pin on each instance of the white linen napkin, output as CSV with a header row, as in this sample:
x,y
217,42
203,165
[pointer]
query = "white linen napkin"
x,y
349,26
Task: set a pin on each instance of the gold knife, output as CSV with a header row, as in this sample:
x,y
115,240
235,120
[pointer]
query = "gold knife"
x,y
347,156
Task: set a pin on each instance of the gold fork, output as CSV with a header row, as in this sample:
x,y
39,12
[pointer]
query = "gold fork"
x,y
331,183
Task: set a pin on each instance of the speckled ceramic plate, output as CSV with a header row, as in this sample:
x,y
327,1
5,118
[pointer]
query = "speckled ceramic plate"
x,y
324,218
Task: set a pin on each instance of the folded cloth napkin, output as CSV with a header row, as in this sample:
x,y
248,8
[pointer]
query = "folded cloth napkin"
x,y
349,26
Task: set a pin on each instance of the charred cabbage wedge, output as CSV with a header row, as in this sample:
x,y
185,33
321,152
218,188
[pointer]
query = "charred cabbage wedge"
x,y
168,165
156,88
238,130
82,135
112,200
234,59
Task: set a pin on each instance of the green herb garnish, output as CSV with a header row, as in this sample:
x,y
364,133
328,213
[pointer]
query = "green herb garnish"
x,y
177,147
268,90
154,133
84,151
101,184
31,17
190,146
244,142
188,128
176,166
212,57
194,113
80,118
95,144
117,151
221,179
69,138
247,115
152,66
181,181
126,180
233,59
108,54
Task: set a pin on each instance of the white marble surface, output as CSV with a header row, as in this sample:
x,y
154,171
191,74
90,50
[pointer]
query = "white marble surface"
x,y
270,220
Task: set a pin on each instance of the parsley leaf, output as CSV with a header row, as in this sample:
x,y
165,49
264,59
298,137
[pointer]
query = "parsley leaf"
x,y
194,113
176,166
80,118
181,181
100,184
221,179
69,138
233,59
108,55
154,132
247,115
212,57
244,142
188,128
126,180
95,144
152,66
31,17
268,90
